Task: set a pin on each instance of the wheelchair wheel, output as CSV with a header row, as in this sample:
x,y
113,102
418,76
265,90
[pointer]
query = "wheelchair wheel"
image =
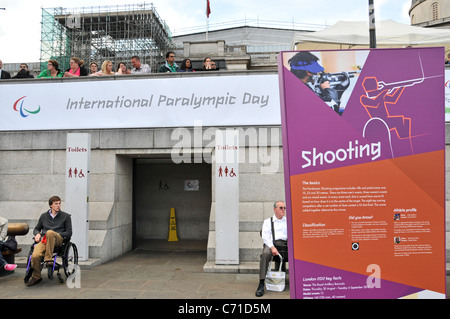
x,y
29,269
70,259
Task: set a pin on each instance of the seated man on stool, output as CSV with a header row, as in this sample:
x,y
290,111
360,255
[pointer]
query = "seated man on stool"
x,y
272,246
53,226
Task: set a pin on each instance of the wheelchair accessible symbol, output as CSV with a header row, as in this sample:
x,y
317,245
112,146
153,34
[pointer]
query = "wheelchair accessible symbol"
x,y
227,172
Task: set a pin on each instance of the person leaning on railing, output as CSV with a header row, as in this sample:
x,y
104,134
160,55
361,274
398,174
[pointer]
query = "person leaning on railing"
x,y
52,70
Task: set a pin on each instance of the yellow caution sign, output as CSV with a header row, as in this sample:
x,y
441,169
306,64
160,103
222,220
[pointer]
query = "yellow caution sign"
x,y
172,226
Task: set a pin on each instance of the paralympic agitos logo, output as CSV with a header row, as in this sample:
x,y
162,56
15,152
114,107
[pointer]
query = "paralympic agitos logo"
x,y
24,112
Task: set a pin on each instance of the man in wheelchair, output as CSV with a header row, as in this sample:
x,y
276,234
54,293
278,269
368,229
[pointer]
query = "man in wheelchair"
x,y
53,227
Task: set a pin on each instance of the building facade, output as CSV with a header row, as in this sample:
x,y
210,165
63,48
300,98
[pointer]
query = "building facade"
x,y
134,179
430,13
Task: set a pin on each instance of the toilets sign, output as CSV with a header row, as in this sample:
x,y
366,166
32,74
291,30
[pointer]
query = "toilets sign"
x,y
76,172
77,188
227,196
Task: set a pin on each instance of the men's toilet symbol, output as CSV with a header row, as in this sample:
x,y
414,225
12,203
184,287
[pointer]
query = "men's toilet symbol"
x,y
227,172
76,173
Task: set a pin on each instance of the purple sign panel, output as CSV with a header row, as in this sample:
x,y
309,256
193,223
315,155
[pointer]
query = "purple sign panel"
x,y
364,161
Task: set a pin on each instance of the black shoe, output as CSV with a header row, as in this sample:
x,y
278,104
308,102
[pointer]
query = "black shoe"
x,y
50,271
260,291
33,281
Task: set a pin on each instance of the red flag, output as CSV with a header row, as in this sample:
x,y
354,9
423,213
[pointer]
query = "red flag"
x,y
208,9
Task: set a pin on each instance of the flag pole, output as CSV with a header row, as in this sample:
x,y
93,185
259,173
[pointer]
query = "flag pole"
x,y
208,11
207,22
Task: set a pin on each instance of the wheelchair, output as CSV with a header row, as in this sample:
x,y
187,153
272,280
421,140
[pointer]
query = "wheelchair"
x,y
64,257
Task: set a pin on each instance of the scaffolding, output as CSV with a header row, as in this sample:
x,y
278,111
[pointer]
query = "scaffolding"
x,y
96,34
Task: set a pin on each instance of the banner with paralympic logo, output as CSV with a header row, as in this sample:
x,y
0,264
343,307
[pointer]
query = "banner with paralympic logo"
x,y
364,161
129,102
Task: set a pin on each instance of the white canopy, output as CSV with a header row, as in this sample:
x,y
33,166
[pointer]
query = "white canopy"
x,y
348,34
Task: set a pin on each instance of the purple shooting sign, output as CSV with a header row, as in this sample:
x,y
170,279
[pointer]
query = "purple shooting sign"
x,y
364,162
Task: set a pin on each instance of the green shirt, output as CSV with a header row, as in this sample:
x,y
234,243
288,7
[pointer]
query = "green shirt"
x,y
46,74
168,68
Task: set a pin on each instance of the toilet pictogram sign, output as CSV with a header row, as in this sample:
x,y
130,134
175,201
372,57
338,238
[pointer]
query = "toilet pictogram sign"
x,y
75,173
226,172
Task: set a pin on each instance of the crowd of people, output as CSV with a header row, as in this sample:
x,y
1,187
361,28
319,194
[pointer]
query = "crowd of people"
x,y
77,68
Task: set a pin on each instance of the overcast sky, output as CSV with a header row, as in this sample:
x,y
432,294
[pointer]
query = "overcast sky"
x,y
20,23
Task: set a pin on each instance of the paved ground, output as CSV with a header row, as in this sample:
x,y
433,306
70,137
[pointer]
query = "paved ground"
x,y
144,274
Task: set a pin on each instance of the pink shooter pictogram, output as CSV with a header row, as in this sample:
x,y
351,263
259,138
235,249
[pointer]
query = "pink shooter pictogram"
x,y
379,100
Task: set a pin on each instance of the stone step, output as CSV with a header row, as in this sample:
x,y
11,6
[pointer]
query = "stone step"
x,y
242,268
245,267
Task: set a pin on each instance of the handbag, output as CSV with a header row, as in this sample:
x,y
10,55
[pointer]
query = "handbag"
x,y
10,244
275,280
